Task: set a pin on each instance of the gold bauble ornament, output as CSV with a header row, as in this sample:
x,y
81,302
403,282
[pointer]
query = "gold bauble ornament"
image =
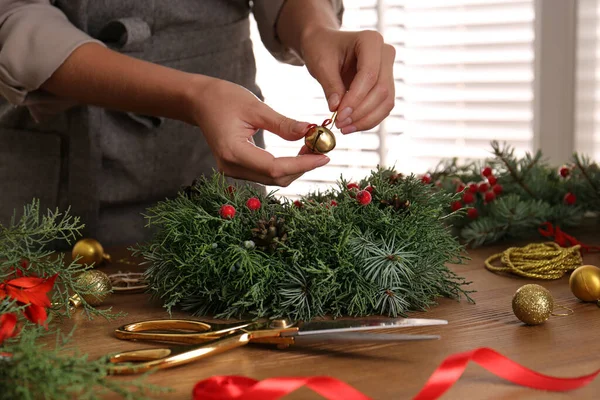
x,y
89,251
532,304
585,283
98,286
320,140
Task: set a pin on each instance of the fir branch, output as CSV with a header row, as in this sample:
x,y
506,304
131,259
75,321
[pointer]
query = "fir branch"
x,y
35,371
584,173
504,158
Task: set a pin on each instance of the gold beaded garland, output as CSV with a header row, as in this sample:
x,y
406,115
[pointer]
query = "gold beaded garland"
x,y
533,304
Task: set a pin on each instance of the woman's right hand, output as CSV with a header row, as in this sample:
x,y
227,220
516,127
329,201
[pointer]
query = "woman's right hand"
x,y
229,116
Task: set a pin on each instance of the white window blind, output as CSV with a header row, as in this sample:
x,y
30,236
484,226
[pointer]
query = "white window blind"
x,y
587,97
464,76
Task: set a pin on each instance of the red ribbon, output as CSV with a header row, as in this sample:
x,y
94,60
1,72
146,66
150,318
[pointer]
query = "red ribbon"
x,y
563,239
446,375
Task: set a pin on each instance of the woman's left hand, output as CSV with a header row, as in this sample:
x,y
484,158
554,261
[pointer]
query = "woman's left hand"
x,y
356,71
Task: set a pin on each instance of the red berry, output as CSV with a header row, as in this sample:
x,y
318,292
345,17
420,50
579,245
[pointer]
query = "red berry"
x,y
570,199
426,179
227,211
497,188
564,171
483,187
230,189
492,180
370,189
297,203
334,203
489,197
487,171
460,188
438,183
472,213
468,198
253,203
363,197
473,188
352,186
457,205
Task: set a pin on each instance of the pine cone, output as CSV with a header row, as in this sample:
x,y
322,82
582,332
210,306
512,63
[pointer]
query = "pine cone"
x,y
268,234
192,189
396,203
395,178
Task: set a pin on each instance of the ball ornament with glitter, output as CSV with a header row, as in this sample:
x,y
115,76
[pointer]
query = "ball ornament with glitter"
x,y
533,304
97,286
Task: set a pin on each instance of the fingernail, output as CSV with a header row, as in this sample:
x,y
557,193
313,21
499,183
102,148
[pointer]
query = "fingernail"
x,y
333,101
344,114
345,122
323,161
300,127
349,129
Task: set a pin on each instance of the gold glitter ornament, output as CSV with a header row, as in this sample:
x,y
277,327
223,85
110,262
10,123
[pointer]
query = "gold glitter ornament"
x,y
89,251
585,283
533,304
98,286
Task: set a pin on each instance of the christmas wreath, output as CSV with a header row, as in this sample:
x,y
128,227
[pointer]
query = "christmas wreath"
x,y
378,246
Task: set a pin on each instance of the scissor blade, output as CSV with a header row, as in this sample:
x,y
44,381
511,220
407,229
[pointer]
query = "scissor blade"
x,y
354,325
349,337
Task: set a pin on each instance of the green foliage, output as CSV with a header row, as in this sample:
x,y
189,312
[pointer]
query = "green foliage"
x,y
533,192
31,371
338,257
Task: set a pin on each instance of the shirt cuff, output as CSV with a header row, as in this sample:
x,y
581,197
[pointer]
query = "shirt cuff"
x,y
35,40
267,13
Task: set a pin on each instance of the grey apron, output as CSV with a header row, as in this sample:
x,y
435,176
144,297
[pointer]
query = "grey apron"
x,y
108,166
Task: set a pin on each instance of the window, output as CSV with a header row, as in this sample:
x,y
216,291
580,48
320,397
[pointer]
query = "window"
x,y
464,76
588,78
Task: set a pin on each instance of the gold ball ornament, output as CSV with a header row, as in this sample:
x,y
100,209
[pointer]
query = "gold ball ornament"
x,y
585,283
89,251
320,140
532,304
97,285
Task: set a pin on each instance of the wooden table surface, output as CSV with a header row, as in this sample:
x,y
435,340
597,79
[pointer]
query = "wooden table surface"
x,y
563,346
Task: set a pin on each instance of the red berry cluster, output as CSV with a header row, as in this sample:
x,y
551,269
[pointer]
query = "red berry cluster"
x,y
488,189
364,196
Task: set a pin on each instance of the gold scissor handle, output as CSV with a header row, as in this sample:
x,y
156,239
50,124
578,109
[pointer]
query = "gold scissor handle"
x,y
166,358
177,330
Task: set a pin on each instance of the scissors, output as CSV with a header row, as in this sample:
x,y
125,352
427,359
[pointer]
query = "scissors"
x,y
198,339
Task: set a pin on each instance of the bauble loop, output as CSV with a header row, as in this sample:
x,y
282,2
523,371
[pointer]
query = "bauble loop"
x,y
585,283
533,304
89,251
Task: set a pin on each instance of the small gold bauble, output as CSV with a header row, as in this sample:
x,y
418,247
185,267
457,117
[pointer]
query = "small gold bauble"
x,y
532,304
90,252
97,283
320,140
585,283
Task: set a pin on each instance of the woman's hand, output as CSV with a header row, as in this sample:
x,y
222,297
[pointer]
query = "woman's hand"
x,y
229,116
356,71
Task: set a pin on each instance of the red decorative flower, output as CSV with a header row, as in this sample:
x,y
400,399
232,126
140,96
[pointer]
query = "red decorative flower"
x,y
457,205
30,291
363,197
8,326
570,199
487,171
227,211
253,203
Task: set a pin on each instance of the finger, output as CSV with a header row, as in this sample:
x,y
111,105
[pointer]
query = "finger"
x,y
382,96
260,166
368,54
327,73
264,117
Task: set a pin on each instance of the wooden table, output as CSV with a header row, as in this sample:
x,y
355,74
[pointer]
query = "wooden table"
x,y
563,346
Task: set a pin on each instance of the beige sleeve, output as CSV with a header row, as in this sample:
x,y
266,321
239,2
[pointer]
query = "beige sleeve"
x,y
266,13
35,39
